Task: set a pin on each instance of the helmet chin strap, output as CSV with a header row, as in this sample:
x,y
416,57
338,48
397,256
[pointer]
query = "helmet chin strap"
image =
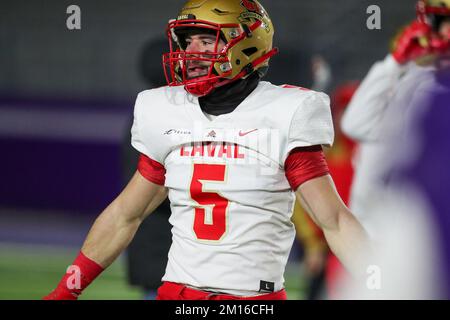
x,y
200,89
248,69
203,88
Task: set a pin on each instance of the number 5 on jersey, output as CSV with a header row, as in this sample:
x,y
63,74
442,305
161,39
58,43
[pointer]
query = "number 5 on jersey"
x,y
215,229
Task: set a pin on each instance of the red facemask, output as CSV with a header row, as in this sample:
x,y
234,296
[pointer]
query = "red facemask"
x,y
177,61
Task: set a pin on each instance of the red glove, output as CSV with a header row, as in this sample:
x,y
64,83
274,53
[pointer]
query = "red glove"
x,y
82,272
408,47
439,45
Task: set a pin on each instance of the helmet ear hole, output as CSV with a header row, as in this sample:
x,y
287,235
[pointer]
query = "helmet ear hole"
x,y
249,51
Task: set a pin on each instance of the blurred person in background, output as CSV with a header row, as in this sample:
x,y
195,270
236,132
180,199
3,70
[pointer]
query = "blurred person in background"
x,y
323,269
314,253
380,118
321,73
389,84
415,206
339,159
231,228
147,253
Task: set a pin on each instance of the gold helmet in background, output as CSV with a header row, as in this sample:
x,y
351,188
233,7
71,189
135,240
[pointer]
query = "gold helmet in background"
x,y
436,42
430,11
243,25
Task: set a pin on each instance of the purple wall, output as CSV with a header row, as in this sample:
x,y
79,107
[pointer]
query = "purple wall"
x,y
61,156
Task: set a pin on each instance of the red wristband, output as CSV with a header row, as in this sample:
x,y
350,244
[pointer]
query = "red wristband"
x,y
78,276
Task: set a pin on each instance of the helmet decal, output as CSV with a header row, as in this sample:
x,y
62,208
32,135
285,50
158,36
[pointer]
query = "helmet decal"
x,y
251,5
254,11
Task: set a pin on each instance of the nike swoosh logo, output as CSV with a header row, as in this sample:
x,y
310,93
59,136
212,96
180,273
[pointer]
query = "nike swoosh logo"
x,y
242,134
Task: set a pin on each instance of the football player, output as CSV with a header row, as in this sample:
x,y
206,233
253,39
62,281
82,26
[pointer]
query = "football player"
x,y
408,69
389,102
230,151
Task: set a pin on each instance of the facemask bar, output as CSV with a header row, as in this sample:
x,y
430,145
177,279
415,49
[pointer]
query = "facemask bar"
x,y
176,62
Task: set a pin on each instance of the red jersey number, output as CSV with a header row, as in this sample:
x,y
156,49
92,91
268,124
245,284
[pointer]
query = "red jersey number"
x,y
216,227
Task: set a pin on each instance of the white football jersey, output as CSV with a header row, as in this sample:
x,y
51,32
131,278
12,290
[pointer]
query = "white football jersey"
x,y
368,119
231,202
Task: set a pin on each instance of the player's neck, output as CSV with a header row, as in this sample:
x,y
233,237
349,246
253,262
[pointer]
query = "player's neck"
x,y
225,99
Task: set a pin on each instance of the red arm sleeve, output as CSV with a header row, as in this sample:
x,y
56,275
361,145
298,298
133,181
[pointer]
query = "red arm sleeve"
x,y
151,170
304,164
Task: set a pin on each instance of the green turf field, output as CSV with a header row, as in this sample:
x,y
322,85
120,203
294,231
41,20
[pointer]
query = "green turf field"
x,y
30,272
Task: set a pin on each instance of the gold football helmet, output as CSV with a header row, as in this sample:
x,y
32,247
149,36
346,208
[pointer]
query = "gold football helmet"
x,y
428,10
243,25
433,13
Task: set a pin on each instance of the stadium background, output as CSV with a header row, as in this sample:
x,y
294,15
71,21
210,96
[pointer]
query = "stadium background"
x,y
66,101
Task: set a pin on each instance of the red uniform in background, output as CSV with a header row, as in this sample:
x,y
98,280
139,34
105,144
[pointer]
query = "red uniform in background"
x,y
339,159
